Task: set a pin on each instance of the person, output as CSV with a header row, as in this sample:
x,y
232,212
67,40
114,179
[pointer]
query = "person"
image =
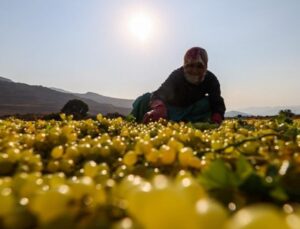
x,y
191,93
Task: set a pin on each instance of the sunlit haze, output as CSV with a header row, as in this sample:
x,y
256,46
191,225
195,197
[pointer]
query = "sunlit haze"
x,y
141,26
126,48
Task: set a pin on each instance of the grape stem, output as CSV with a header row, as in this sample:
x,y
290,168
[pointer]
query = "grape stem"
x,y
236,144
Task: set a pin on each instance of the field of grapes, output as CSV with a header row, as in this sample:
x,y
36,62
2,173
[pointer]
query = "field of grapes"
x,y
115,173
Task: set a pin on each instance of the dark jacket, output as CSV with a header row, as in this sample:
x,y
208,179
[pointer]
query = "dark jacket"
x,y
177,91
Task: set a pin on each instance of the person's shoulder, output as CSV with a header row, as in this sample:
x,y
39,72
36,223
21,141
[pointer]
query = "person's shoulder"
x,y
178,71
209,76
176,74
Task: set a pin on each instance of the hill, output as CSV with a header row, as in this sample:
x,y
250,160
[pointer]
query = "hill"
x,y
2,79
127,103
269,111
23,98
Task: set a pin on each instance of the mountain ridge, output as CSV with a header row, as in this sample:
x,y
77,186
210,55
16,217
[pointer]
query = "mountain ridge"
x,y
269,110
20,98
127,103
5,79
24,98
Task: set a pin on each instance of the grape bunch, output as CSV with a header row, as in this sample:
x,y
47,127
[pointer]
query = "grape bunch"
x,y
114,173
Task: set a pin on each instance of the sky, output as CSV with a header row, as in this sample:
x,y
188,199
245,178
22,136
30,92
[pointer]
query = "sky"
x,y
88,45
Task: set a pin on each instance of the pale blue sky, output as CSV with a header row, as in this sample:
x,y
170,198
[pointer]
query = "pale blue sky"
x,y
84,45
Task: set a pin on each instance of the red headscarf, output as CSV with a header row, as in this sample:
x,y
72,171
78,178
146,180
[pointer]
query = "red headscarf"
x,y
196,55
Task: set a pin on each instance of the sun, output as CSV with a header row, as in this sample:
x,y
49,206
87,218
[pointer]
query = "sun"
x,y
140,26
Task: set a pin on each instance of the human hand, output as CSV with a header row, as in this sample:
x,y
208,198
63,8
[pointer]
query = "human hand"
x,y
216,118
158,110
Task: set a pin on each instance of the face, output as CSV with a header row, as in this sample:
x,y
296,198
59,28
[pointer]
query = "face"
x,y
195,69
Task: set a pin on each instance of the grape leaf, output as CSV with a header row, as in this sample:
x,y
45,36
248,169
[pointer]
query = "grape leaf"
x,y
243,169
218,176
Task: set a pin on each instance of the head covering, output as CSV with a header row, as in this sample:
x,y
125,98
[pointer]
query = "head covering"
x,y
196,55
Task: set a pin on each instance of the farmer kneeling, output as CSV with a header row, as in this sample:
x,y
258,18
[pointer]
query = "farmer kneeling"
x,y
191,93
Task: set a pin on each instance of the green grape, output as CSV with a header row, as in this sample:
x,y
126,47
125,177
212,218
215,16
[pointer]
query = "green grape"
x,y
102,176
8,202
90,169
167,154
257,217
189,186
100,196
129,185
28,140
105,151
126,223
82,187
174,144
124,132
250,147
130,158
53,166
57,152
30,185
120,172
96,148
53,136
55,180
210,213
13,154
52,204
195,162
185,155
118,145
63,116
293,220
104,138
40,137
143,147
103,166
152,156
67,166
175,211
71,153
99,117
216,144
18,181
84,149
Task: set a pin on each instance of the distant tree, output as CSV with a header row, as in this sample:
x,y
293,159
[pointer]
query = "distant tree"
x,y
75,107
285,116
287,113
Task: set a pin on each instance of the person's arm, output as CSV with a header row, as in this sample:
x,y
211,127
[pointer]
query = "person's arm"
x,y
157,110
159,99
166,92
216,101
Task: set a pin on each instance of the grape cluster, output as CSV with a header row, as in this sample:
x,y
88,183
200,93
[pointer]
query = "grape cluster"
x,y
113,173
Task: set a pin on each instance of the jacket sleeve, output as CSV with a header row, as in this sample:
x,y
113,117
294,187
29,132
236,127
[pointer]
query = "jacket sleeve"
x,y
166,92
216,101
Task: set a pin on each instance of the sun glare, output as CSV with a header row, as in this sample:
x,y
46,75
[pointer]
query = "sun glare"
x,y
141,26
